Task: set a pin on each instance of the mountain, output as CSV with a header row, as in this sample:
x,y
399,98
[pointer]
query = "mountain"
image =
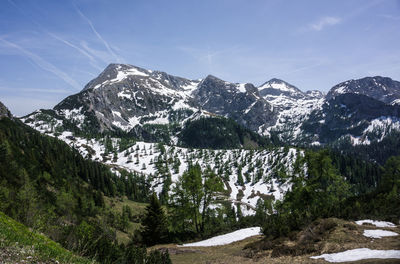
x,y
241,102
292,106
380,88
361,118
154,106
361,110
124,96
151,105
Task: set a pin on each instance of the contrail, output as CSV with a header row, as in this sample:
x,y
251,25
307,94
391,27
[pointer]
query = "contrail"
x,y
97,34
66,42
93,60
43,64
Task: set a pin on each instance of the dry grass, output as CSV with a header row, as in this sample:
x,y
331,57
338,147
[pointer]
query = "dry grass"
x,y
324,236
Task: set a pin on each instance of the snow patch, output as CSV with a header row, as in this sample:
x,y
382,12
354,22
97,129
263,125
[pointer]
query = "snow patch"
x,y
241,87
227,238
341,90
375,223
359,254
379,233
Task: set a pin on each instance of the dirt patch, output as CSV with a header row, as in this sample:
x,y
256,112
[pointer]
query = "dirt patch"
x,y
177,251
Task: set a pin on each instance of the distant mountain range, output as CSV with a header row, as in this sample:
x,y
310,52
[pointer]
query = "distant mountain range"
x,y
143,103
125,105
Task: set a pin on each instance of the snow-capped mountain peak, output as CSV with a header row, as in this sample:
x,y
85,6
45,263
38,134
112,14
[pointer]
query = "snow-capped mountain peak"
x,y
277,87
139,101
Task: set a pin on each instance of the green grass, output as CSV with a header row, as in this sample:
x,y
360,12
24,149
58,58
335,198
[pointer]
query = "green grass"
x,y
18,244
117,204
138,210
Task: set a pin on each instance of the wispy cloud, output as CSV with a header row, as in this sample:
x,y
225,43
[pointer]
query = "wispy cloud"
x,y
108,47
324,22
102,55
42,63
92,60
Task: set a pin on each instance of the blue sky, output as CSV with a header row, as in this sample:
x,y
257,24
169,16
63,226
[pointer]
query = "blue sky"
x,y
51,49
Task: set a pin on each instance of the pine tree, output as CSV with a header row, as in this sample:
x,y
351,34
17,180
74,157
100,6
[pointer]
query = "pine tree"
x,y
154,223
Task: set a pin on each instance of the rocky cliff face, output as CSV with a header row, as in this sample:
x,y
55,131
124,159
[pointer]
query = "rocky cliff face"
x,y
241,102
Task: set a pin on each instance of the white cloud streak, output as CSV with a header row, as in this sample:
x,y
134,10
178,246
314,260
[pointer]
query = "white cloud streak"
x,y
324,22
93,61
43,64
108,47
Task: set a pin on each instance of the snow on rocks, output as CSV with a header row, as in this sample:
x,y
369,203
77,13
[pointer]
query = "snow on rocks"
x,y
379,233
227,238
359,254
375,223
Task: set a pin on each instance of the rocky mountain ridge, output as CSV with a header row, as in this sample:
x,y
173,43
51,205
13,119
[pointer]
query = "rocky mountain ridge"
x,y
380,88
147,104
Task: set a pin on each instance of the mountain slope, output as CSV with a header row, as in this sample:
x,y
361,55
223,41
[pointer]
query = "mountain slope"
x,y
380,88
241,102
50,187
293,107
19,244
359,117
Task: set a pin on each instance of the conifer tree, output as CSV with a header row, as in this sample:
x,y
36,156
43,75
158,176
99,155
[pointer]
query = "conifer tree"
x,y
154,223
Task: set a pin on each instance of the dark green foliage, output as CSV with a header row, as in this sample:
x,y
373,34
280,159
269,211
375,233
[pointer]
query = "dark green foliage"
x,y
378,151
384,201
220,133
189,207
48,186
319,193
322,192
155,228
363,175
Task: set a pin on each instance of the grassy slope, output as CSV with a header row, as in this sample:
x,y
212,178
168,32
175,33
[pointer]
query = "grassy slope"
x,y
19,244
138,210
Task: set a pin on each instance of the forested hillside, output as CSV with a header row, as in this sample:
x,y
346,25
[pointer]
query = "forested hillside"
x,y
49,187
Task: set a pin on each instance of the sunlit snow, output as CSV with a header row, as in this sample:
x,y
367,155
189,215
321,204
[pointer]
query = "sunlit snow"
x,y
376,223
379,233
360,254
227,238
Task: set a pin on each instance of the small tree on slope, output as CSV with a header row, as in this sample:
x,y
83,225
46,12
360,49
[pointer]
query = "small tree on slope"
x,y
155,229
